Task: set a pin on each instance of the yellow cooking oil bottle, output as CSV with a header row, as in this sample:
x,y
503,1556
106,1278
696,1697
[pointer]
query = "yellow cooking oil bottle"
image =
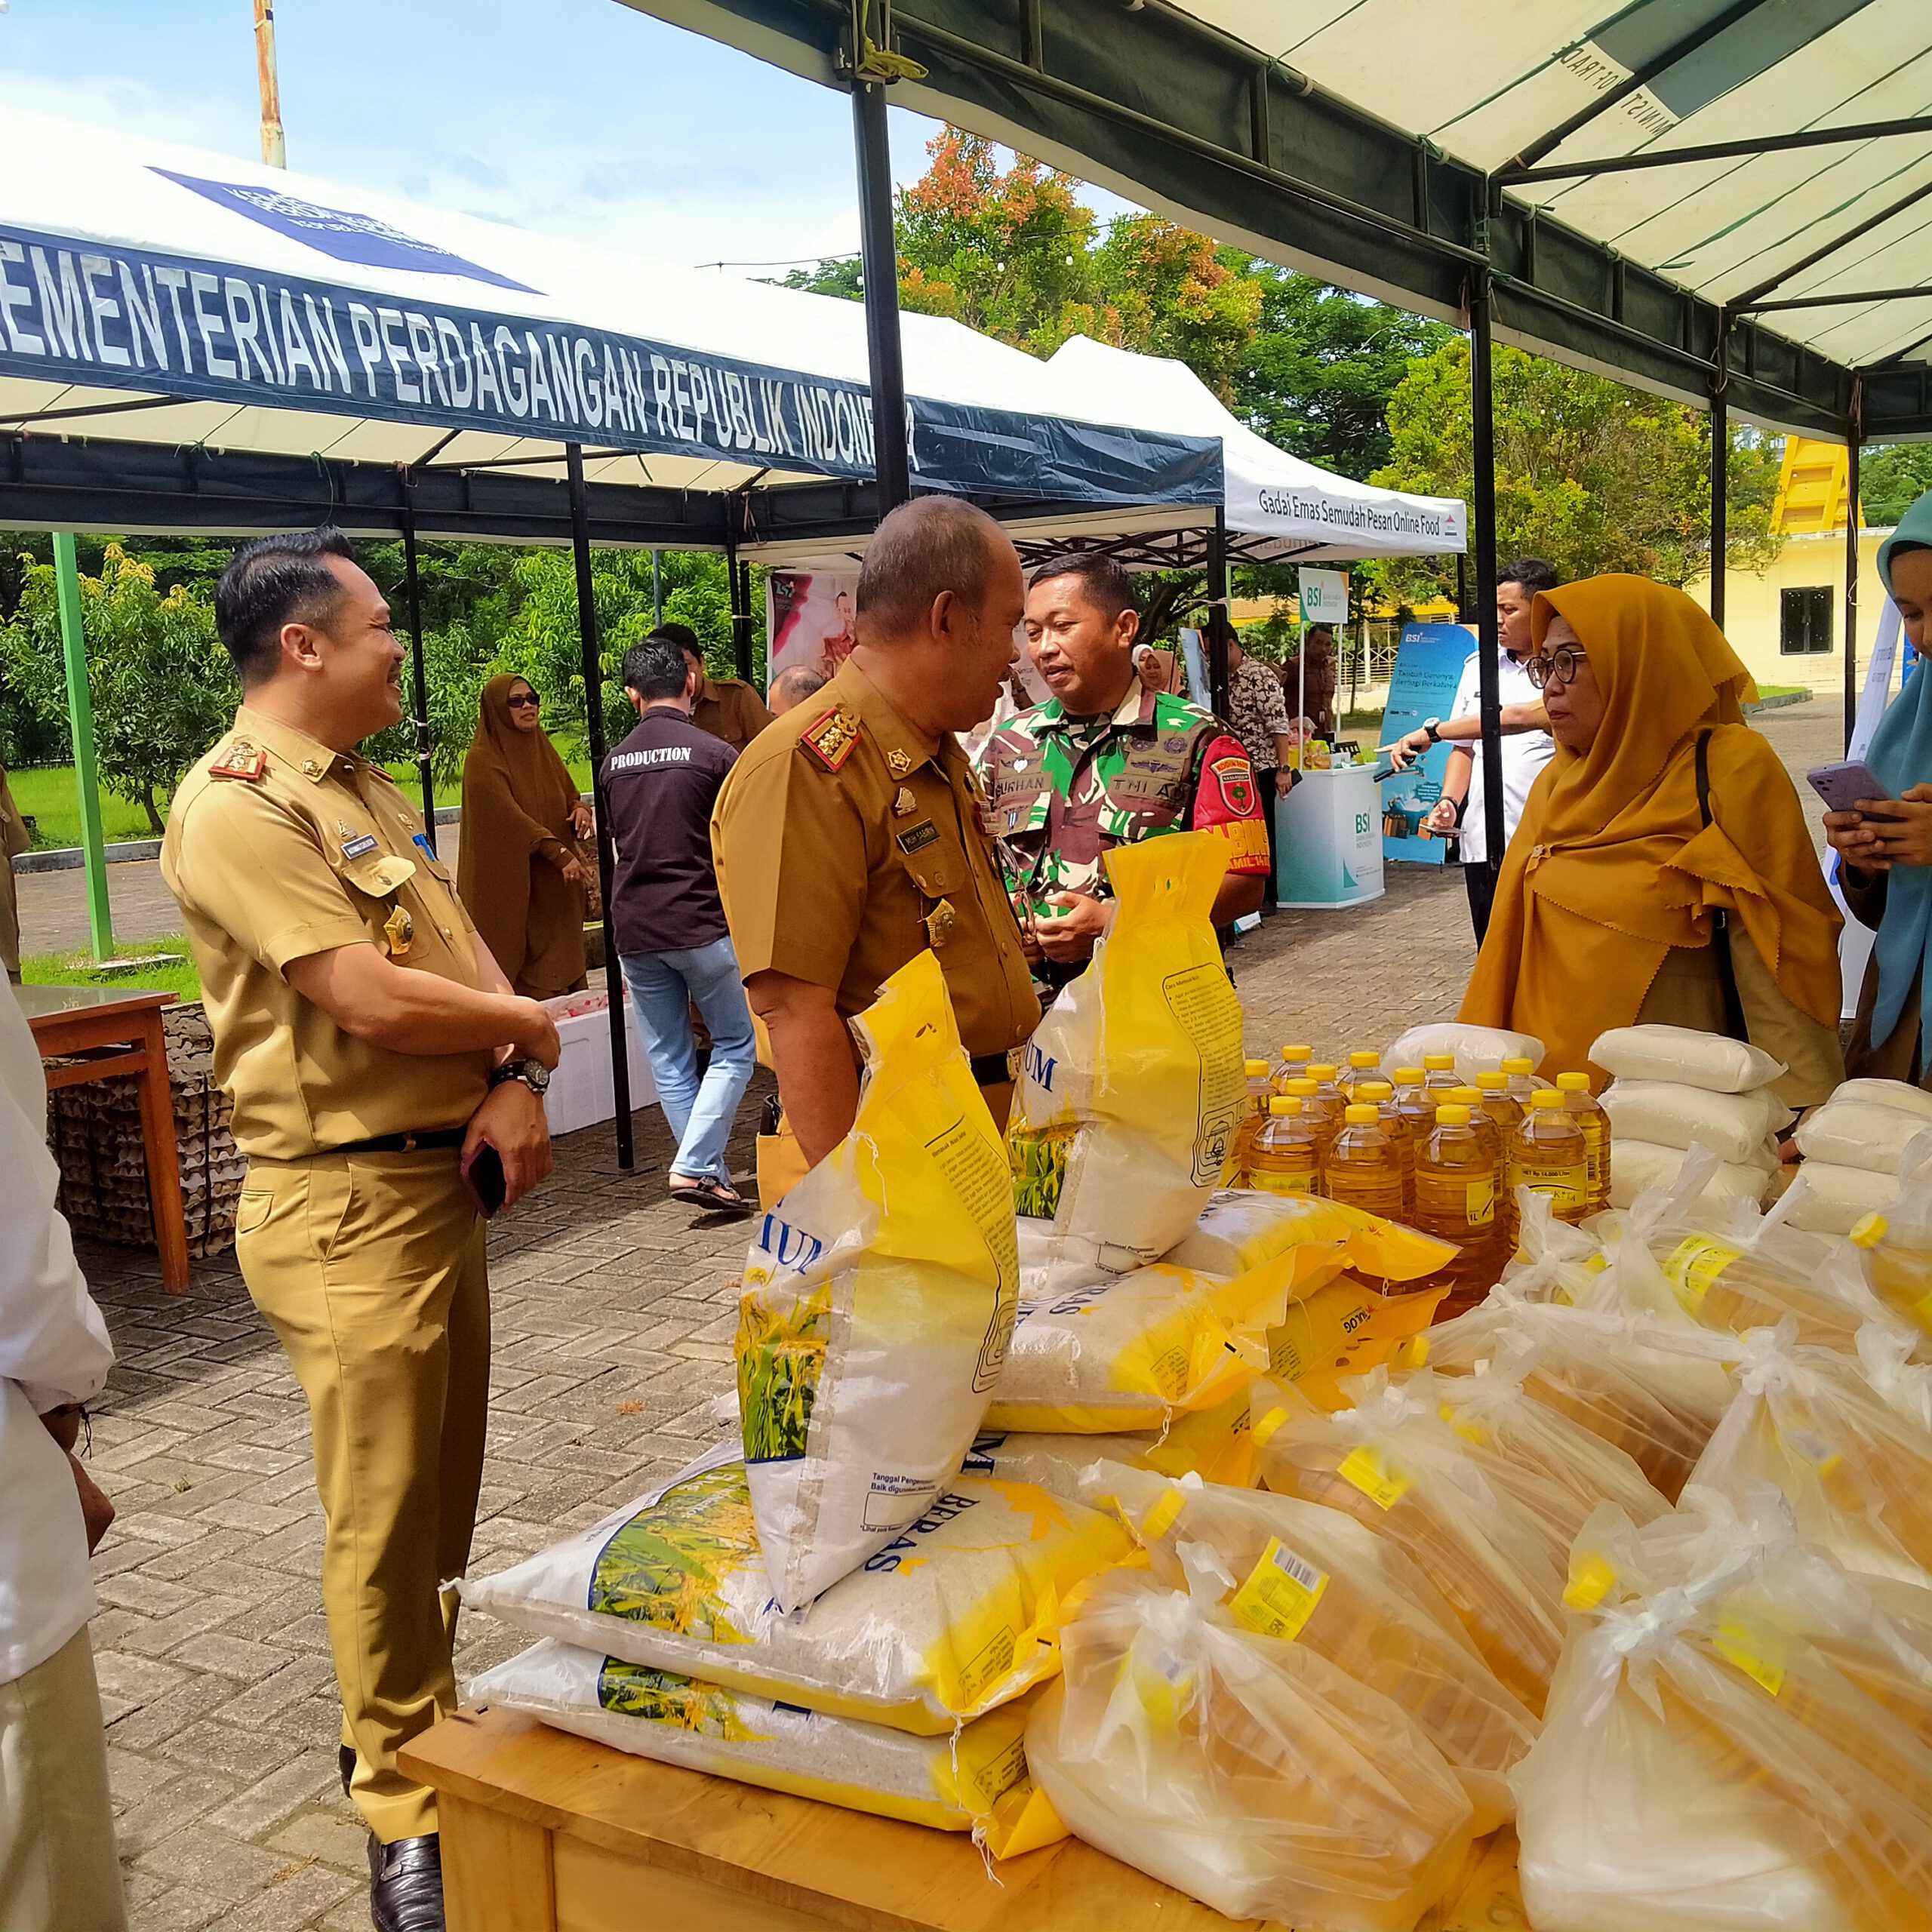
x,y
1896,1253
1458,1186
1234,1169
1582,1106
1439,1072
1292,1066
1285,1157
1364,1168
1396,1125
1322,1073
1323,1111
1522,1075
1361,1066
1502,1107
1546,1153
1491,1134
1415,1102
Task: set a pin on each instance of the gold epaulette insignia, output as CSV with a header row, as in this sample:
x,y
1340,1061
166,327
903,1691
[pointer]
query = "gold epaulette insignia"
x,y
241,760
831,738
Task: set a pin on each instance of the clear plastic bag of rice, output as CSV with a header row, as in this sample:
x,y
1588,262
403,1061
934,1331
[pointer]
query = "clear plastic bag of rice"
x,y
877,1302
1313,1575
973,1781
1134,1084
951,1620
1720,1751
1477,1049
1250,1772
1687,1057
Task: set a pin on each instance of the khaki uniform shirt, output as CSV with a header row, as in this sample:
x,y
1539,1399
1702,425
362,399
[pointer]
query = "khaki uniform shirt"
x,y
14,840
843,850
729,709
279,849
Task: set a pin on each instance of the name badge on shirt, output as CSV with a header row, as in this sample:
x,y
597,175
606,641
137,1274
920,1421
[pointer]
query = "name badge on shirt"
x,y
354,848
922,834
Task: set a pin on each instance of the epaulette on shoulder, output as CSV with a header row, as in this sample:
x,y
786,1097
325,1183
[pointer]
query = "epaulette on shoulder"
x,y
241,760
830,738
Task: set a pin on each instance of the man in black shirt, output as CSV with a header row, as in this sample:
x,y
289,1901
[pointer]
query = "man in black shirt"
x,y
668,922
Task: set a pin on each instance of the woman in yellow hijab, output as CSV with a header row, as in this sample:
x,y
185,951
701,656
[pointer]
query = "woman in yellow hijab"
x,y
1624,888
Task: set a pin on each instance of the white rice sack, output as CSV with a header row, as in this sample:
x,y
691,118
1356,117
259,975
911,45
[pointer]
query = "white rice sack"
x,y
950,1620
1894,1093
1641,1166
1833,1200
1051,1263
1667,1114
877,1302
1686,1057
1857,1134
1477,1049
952,1783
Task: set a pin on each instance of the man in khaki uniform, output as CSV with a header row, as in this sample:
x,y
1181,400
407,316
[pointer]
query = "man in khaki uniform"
x,y
728,708
852,835
386,1083
13,841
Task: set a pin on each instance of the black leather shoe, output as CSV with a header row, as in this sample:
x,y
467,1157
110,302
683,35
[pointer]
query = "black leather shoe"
x,y
406,1885
345,1762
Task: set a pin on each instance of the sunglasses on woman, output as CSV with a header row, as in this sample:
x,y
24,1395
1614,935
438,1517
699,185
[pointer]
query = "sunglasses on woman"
x,y
528,698
1558,668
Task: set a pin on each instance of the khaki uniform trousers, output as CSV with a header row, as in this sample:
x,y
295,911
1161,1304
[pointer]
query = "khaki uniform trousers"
x,y
371,1267
58,1869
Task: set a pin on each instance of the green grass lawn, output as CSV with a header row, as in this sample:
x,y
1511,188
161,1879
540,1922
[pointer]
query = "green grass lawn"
x,y
78,969
47,796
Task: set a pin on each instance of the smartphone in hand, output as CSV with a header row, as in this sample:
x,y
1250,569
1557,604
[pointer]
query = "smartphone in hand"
x,y
1842,786
483,1176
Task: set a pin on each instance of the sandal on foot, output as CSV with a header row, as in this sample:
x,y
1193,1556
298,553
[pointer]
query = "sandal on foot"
x,y
715,1197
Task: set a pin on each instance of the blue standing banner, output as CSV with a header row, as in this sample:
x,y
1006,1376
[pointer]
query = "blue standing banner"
x,y
1428,667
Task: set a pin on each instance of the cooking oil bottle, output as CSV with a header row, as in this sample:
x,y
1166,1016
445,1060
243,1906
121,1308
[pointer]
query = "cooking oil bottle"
x,y
1897,1255
1323,1111
1491,1135
1582,1107
1415,1102
1361,1066
1503,1108
1364,1168
1292,1065
1286,1155
1322,1073
1522,1075
1397,1125
1546,1153
1439,1072
1458,1181
1234,1170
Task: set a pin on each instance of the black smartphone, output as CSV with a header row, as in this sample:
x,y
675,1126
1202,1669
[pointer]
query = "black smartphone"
x,y
483,1175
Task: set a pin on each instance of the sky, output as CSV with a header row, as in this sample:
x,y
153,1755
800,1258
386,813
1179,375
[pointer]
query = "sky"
x,y
583,119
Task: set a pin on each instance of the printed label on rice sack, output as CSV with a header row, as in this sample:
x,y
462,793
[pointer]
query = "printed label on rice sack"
x,y
1204,1003
664,1697
959,1153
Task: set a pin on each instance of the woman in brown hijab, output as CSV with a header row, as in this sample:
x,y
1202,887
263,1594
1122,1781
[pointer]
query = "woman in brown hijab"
x,y
518,868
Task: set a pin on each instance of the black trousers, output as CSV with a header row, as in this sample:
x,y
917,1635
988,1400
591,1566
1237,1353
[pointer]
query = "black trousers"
x,y
1265,783
1479,881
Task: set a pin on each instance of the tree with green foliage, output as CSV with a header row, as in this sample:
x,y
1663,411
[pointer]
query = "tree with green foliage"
x,y
1591,474
1891,478
161,687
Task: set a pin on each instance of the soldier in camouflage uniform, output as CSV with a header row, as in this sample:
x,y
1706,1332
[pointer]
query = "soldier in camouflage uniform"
x,y
1104,763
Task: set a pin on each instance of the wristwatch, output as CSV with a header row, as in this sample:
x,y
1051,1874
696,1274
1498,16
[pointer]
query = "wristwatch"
x,y
533,1073
1432,730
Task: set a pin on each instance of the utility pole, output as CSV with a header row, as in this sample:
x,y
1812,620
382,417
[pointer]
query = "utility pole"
x,y
273,150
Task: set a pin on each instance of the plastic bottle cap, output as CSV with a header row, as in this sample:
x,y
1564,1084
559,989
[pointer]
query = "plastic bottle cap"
x,y
1301,1089
1408,1076
1465,1096
1376,1090
1546,1097
1322,1069
1519,1066
1297,1053
1285,1103
1438,1063
1256,1069
1870,1232
1492,1083
1359,1116
1364,1060
1574,1083
1452,1116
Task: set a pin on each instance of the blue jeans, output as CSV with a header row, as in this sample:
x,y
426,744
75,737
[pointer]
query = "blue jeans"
x,y
663,986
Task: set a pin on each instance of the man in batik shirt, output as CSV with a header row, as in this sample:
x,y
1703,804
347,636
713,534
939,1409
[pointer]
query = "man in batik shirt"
x,y
1105,763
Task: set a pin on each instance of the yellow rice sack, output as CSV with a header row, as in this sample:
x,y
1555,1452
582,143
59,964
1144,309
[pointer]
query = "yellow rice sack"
x,y
1250,1772
1134,1083
1314,1575
952,1619
877,1303
974,1781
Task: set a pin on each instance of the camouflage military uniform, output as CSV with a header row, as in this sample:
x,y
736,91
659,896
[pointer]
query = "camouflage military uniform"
x,y
1065,791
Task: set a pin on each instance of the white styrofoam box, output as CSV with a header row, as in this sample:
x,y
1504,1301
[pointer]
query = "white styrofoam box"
x,y
580,1093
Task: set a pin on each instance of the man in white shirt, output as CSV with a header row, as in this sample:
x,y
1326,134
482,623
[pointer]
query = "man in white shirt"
x,y
58,1869
1527,748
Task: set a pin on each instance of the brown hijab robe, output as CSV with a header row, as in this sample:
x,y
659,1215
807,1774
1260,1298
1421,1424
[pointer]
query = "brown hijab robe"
x,y
517,796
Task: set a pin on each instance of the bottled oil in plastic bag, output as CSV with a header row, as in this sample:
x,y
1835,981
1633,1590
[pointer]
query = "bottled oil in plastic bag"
x,y
1456,1199
1583,1107
1285,1157
1895,1246
1364,1169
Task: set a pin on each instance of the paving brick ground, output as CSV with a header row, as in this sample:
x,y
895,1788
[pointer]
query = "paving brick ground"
x,y
614,1316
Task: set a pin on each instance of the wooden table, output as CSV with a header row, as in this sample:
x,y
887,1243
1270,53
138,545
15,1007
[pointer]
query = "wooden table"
x,y
108,1034
543,1831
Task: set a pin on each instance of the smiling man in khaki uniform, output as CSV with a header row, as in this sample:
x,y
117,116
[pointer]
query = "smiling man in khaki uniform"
x,y
852,834
383,1077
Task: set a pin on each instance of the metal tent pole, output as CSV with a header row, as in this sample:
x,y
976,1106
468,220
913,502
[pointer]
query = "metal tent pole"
x,y
1720,476
879,263
742,638
1853,437
1482,424
412,596
1217,613
80,719
656,588
593,708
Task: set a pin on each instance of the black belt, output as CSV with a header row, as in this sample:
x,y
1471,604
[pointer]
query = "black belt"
x,y
405,1143
996,1070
